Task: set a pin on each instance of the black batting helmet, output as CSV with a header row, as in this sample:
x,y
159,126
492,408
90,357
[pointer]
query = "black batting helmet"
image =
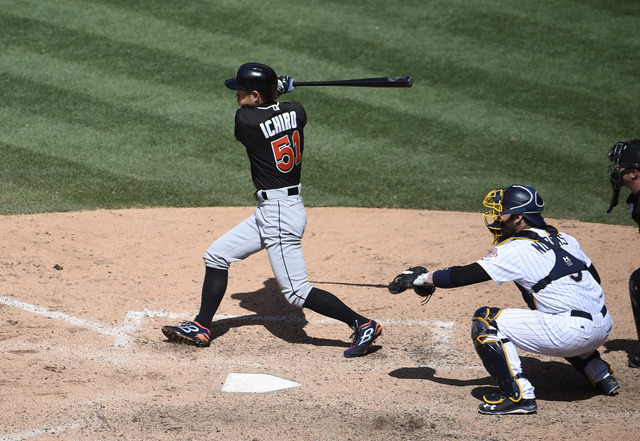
x,y
255,76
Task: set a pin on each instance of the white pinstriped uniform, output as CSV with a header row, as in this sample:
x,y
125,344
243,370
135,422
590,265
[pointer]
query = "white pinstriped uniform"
x,y
550,329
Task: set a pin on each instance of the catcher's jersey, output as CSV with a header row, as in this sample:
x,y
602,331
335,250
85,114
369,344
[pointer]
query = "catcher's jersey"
x,y
273,137
526,262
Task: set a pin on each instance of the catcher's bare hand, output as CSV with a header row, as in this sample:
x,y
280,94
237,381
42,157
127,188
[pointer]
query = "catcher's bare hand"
x,y
405,280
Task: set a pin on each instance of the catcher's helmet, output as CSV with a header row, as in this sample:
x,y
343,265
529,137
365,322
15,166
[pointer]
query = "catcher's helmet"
x,y
516,199
255,76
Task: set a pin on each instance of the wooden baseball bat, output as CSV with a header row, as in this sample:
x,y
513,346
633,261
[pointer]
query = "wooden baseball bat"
x,y
362,82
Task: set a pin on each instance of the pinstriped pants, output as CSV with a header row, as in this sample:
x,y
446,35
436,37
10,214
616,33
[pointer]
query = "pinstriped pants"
x,y
560,335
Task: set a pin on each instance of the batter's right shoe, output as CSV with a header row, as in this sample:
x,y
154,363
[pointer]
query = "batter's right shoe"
x,y
501,405
363,337
634,360
190,333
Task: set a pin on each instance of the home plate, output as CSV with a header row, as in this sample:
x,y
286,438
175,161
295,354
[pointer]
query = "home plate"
x,y
256,383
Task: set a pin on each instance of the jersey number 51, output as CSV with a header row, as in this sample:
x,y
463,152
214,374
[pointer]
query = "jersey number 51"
x,y
287,153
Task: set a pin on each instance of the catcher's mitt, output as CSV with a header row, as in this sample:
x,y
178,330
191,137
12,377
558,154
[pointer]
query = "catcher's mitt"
x,y
404,281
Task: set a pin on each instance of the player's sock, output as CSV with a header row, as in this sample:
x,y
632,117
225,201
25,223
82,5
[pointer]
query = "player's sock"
x,y
213,289
327,304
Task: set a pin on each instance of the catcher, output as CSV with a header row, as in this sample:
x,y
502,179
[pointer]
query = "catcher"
x,y
567,317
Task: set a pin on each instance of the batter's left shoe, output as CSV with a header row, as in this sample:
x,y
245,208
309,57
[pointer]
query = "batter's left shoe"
x,y
501,405
191,333
363,338
609,386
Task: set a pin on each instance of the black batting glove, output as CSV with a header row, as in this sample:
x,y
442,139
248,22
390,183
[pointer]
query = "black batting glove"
x,y
285,84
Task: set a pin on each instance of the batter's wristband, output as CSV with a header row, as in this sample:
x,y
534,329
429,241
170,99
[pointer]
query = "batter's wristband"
x,y
442,278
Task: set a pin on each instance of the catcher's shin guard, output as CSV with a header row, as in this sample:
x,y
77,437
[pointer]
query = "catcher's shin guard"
x,y
492,351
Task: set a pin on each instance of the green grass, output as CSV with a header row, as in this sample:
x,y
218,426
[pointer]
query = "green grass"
x,y
114,103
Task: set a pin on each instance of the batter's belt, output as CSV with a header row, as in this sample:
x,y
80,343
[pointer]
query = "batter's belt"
x,y
276,193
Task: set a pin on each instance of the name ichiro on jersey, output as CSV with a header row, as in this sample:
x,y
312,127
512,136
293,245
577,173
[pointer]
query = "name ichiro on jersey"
x,y
279,123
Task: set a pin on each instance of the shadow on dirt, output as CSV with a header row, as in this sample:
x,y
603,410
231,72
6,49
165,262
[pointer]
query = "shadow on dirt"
x,y
626,345
427,373
276,315
553,380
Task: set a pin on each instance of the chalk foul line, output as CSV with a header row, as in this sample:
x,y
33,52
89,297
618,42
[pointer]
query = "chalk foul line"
x,y
134,320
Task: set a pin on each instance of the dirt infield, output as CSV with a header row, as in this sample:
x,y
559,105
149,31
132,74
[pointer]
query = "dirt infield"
x,y
83,297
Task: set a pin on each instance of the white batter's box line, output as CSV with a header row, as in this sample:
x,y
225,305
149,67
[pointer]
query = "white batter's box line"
x,y
134,321
121,338
427,323
34,433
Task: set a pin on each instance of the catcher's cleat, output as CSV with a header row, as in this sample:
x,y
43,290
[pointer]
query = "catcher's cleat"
x,y
190,333
501,405
634,360
609,386
363,338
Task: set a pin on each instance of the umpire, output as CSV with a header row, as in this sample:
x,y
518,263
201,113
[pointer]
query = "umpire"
x,y
624,171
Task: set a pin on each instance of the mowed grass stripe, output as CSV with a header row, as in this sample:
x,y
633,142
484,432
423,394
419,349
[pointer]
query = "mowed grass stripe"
x,y
104,54
481,109
138,29
375,125
118,129
444,162
340,38
490,83
71,185
93,86
76,179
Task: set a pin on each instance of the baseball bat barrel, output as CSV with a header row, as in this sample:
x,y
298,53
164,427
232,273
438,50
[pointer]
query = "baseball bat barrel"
x,y
362,82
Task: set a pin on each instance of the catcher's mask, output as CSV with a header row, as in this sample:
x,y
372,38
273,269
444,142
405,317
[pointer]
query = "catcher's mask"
x,y
516,199
255,76
623,154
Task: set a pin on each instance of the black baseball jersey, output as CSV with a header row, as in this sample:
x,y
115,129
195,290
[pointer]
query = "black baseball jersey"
x,y
634,207
274,139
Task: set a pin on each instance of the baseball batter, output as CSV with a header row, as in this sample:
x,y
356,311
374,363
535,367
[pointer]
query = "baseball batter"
x,y
624,171
273,134
567,317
